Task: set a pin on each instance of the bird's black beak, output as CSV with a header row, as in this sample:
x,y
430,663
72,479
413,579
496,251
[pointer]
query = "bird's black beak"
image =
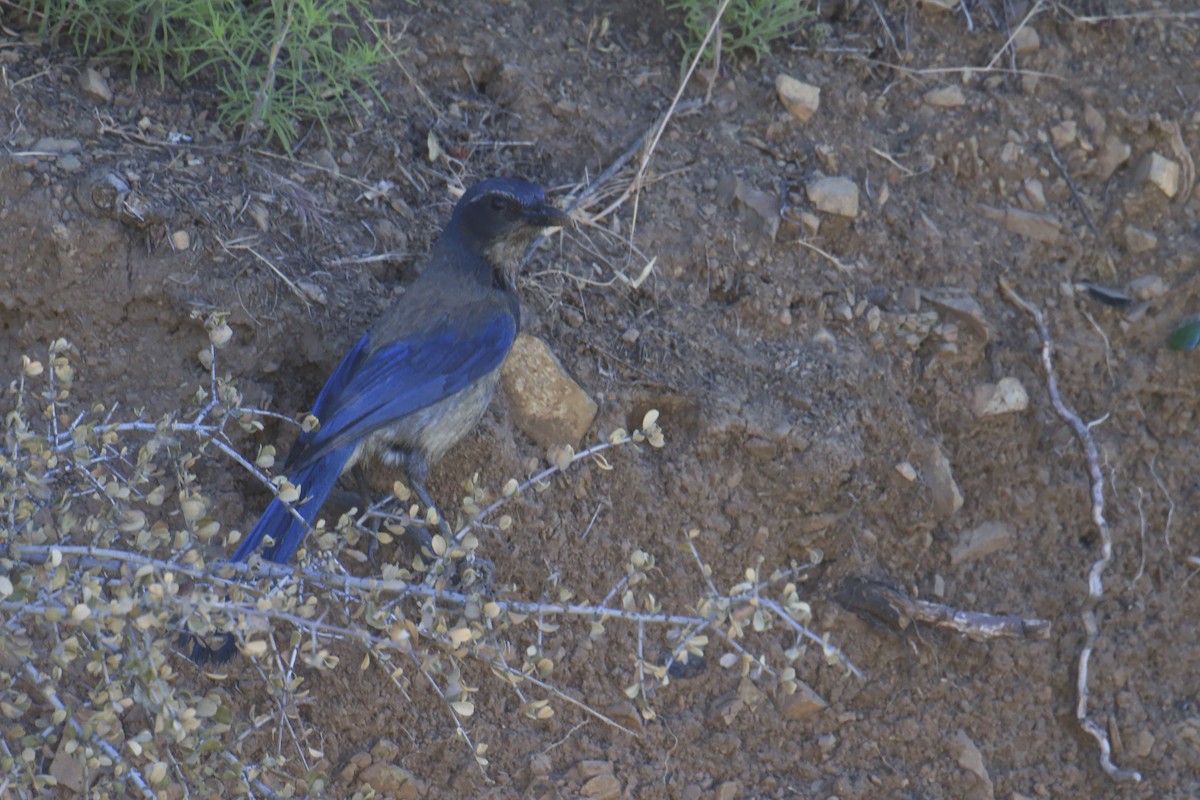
x,y
546,216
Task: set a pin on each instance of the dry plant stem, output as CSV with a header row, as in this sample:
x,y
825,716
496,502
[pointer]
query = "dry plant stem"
x,y
1074,191
1096,573
1038,8
648,153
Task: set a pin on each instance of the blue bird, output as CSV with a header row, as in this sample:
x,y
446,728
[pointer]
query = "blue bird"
x,y
421,378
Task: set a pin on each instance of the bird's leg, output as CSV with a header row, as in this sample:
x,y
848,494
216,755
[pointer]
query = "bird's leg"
x,y
483,568
364,493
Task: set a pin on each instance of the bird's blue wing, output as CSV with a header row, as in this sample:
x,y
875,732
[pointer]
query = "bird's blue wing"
x,y
379,383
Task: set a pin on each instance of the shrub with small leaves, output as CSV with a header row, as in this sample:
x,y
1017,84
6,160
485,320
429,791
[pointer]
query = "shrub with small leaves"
x,y
747,26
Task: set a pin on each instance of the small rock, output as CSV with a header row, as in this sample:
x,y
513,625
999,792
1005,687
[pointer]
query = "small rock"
x,y
825,743
970,759
834,196
729,790
939,5
943,490
68,768
181,240
631,335
960,305
1113,153
1032,225
945,97
392,781
800,99
1160,171
1143,744
93,84
1095,121
764,205
1064,133
843,312
810,222
591,768
1035,193
602,787
802,703
988,538
1005,397
1148,287
69,163
907,471
545,402
1026,40
48,144
1138,240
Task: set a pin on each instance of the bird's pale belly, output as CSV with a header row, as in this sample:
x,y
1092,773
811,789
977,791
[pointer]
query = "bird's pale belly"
x,y
419,441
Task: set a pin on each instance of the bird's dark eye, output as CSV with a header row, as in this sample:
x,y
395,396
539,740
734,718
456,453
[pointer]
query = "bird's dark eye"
x,y
499,203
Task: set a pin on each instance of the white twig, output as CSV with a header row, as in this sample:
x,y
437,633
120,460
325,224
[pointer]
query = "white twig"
x,y
1096,574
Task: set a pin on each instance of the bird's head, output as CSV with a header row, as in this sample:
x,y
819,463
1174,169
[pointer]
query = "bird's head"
x,y
500,217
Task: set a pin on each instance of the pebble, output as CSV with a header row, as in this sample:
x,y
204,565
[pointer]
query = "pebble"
x,y
802,703
1148,287
545,402
1035,193
1026,40
1160,171
988,538
834,195
181,240
943,489
94,85
1064,133
945,97
1113,153
48,144
1005,397
1040,227
1138,240
907,471
800,99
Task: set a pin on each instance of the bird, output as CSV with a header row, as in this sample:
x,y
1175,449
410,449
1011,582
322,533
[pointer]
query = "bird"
x,y
421,378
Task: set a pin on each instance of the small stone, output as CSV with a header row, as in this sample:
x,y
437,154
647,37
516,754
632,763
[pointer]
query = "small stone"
x,y
94,85
1064,133
1160,171
946,97
943,489
988,538
1026,40
1035,193
68,768
392,781
1095,121
907,471
591,768
602,787
1143,744
825,743
961,306
1032,225
800,99
834,196
630,336
802,703
1148,287
1113,153
939,5
1005,397
48,144
810,222
69,163
545,402
1138,240
729,790
971,759
181,240
843,312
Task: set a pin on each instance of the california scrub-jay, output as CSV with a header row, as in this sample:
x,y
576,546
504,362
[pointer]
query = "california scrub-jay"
x,y
422,377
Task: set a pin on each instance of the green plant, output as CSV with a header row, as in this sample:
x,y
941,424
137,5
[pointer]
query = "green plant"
x,y
274,63
746,26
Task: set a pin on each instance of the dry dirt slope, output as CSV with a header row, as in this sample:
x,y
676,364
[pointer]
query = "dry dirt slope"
x,y
791,390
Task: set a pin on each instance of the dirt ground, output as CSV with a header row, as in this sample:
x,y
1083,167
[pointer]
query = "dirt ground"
x,y
811,402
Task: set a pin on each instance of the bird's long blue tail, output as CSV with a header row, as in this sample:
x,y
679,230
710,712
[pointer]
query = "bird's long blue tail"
x,y
286,532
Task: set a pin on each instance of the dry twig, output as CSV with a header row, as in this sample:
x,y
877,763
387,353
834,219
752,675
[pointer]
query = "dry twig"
x,y
1096,573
